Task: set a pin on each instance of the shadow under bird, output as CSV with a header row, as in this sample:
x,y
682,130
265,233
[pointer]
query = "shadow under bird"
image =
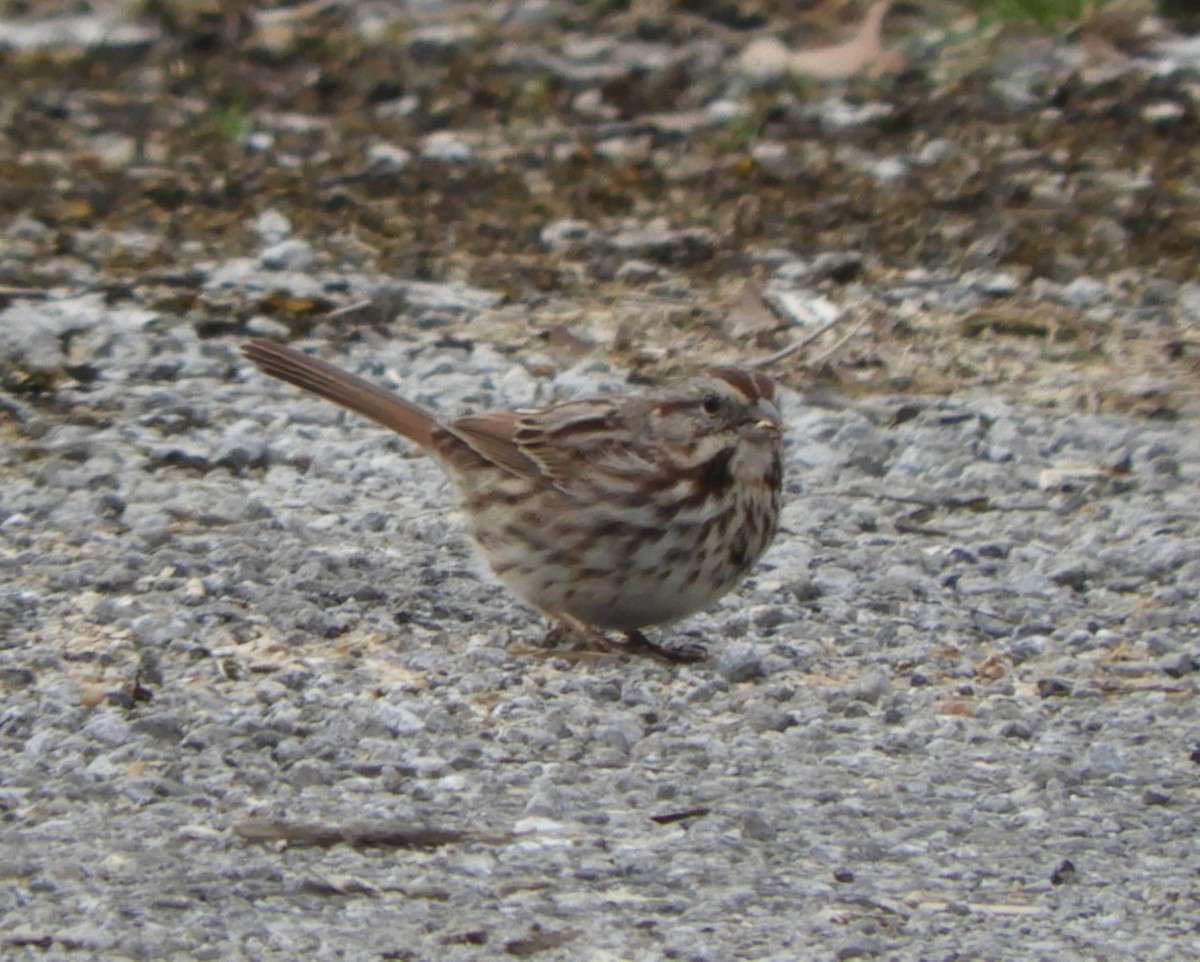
x,y
606,513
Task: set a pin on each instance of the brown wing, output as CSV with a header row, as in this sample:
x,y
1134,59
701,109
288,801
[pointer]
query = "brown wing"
x,y
492,437
570,442
561,444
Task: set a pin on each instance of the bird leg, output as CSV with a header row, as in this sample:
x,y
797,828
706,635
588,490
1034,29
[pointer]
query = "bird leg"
x,y
636,643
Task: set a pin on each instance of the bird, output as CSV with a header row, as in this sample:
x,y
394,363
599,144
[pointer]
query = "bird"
x,y
613,513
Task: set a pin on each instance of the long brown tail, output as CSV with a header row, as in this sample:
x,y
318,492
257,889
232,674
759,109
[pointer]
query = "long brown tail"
x,y
343,388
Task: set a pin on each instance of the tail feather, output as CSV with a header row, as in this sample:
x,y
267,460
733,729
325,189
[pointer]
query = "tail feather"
x,y
344,388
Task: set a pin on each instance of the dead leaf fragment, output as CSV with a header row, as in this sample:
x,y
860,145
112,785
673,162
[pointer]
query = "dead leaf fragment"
x,y
747,314
864,52
990,669
539,941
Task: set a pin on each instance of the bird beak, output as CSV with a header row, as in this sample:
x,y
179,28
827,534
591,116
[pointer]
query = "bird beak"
x,y
768,418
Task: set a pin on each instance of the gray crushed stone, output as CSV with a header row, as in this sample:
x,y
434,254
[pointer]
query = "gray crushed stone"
x,y
951,715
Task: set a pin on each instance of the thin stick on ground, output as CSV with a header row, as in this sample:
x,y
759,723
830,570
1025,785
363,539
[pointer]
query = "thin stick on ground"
x,y
814,337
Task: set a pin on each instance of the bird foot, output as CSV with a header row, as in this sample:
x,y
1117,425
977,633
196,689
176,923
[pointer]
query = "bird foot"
x,y
636,643
686,653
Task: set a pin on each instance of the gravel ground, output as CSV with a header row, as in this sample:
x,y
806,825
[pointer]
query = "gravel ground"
x,y
258,698
248,654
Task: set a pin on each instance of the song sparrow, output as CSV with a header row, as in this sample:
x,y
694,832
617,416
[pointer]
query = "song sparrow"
x,y
614,512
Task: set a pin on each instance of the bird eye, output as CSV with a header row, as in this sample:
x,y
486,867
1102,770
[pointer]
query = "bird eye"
x,y
711,404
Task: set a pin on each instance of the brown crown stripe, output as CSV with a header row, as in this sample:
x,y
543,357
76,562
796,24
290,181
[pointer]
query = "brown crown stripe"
x,y
752,384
